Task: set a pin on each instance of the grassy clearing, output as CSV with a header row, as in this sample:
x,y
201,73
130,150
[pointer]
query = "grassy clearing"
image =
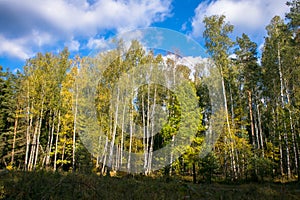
x,y
48,185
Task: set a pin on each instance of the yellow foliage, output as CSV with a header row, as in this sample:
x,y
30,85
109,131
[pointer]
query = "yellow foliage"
x,y
9,167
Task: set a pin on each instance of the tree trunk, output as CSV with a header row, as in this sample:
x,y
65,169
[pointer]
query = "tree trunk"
x,y
50,143
148,130
29,126
48,140
283,107
294,141
122,136
104,155
251,118
280,145
256,132
233,165
74,131
114,131
56,141
152,132
130,143
38,136
14,139
145,139
260,131
33,147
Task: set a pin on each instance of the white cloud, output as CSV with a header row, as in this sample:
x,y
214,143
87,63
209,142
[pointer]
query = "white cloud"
x,y
128,36
47,22
40,38
100,43
189,61
249,16
14,48
192,62
73,45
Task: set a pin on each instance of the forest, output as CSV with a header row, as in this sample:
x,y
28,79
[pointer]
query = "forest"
x,y
50,128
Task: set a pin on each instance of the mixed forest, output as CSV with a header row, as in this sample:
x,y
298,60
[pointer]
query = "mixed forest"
x,y
42,124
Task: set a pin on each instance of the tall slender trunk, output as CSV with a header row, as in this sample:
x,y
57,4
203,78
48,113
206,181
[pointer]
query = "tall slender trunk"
x,y
117,159
33,147
233,165
130,142
56,141
260,130
152,131
283,107
114,131
39,134
148,130
236,158
231,107
281,154
251,117
14,139
256,132
280,75
49,138
275,121
29,125
110,132
97,161
122,136
28,140
74,130
145,136
104,155
50,142
294,141
287,152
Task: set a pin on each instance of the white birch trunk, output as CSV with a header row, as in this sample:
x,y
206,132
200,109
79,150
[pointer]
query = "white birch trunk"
x,y
56,142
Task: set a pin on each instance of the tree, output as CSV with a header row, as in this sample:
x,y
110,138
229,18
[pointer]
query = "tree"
x,y
250,80
294,16
43,77
277,55
218,45
11,122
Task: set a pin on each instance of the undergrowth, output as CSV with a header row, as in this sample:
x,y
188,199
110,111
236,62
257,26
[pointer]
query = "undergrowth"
x,y
49,185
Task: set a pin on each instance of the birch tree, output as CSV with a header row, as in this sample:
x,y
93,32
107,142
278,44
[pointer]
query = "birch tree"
x,y
218,45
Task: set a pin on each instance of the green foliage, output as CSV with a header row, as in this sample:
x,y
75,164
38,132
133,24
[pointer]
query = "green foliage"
x,y
11,111
217,41
40,127
208,167
263,167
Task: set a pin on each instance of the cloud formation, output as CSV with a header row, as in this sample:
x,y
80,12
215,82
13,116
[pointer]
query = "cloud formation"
x,y
14,48
97,43
35,24
249,16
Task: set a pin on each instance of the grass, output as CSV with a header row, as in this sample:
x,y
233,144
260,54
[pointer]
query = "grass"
x,y
48,185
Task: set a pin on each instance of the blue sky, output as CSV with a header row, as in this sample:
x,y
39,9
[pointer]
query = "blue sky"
x,y
28,27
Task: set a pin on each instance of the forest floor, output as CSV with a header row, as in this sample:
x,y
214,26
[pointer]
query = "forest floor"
x,y
48,185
